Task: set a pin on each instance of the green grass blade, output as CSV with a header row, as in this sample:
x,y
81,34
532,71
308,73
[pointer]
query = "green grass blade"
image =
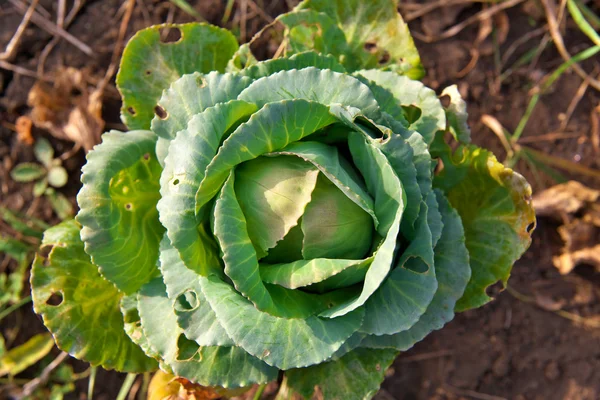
x,y
582,23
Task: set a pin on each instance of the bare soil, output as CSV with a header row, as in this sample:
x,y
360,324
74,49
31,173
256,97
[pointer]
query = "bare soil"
x,y
521,346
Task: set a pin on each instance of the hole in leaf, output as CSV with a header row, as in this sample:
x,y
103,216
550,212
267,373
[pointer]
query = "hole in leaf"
x,y
132,317
75,92
530,227
494,289
44,252
445,100
176,181
160,112
416,264
128,206
411,113
201,82
131,110
384,58
170,35
187,301
148,72
55,300
186,349
371,47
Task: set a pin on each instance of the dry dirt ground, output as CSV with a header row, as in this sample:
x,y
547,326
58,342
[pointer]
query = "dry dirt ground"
x,y
526,344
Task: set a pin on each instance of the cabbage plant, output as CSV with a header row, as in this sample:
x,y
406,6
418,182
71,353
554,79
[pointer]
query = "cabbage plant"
x,y
303,217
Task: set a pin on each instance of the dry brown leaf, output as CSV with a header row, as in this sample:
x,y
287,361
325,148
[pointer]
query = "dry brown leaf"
x,y
70,109
168,387
23,127
578,207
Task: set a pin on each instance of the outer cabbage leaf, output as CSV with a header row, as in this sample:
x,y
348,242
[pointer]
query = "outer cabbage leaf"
x,y
429,117
79,307
405,294
355,376
452,273
494,203
224,366
376,35
297,61
194,314
456,114
118,213
192,94
282,342
149,65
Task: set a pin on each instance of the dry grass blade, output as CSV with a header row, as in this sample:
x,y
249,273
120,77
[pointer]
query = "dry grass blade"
x,y
244,18
563,164
260,11
549,137
77,5
424,9
31,386
23,71
497,128
480,16
595,129
53,28
553,26
592,323
520,41
118,45
573,104
11,48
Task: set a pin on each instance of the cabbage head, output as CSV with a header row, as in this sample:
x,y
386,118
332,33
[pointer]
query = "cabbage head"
x,y
303,216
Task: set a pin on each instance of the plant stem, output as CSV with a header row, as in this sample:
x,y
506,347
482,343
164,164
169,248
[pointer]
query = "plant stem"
x,y
126,386
12,308
145,382
285,392
259,391
92,383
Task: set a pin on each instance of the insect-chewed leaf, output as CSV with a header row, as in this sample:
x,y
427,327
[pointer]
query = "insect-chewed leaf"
x,y
376,35
404,296
456,114
355,376
452,273
194,314
224,366
422,108
189,154
282,342
118,212
81,308
192,94
149,65
494,203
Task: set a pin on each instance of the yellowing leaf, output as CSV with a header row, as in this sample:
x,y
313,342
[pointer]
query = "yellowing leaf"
x,y
20,358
